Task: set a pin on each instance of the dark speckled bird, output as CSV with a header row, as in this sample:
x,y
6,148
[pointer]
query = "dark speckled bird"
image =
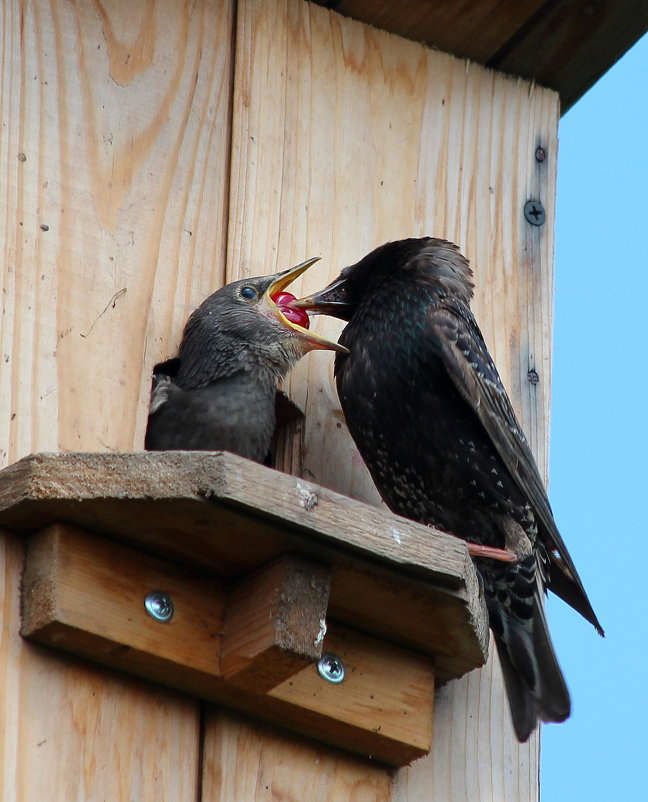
x,y
219,393
430,416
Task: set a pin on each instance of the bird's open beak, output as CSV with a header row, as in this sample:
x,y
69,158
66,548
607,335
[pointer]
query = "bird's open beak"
x,y
329,301
310,340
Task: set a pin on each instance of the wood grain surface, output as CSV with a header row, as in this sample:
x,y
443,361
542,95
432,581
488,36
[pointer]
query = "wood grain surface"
x,y
377,138
245,762
85,595
114,146
564,46
114,159
71,730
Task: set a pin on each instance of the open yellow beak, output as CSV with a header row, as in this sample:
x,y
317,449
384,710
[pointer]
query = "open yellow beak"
x,y
310,339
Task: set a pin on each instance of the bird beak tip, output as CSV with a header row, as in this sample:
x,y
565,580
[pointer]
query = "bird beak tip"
x,y
287,277
310,341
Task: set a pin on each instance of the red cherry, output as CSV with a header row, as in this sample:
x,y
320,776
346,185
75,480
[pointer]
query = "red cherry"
x,y
283,301
296,316
283,298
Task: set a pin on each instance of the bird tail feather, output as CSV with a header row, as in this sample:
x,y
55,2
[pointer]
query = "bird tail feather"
x,y
535,685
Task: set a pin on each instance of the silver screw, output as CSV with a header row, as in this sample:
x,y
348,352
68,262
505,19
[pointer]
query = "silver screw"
x,y
331,668
534,213
159,606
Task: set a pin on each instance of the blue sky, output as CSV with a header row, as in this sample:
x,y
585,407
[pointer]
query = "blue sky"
x,y
599,442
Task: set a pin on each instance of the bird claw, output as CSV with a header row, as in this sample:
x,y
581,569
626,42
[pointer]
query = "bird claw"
x,y
491,553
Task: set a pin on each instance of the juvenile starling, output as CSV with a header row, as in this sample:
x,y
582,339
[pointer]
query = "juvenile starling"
x,y
219,393
430,416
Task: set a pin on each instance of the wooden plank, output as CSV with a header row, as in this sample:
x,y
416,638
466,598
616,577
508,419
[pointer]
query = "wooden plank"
x,y
246,762
275,623
86,596
71,730
288,439
115,154
378,138
565,46
473,29
568,48
382,710
42,485
460,186
219,512
387,693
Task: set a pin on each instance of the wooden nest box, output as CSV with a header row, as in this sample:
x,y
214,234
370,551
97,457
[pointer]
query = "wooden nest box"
x,y
152,152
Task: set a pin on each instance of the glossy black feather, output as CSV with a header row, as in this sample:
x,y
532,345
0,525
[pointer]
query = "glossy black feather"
x,y
430,416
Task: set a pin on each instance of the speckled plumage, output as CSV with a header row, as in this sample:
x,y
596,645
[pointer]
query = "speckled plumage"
x,y
430,416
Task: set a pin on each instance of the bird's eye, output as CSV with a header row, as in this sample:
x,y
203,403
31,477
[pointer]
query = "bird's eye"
x,y
248,293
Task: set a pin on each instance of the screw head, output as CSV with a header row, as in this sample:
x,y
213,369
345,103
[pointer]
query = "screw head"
x,y
331,668
540,154
158,605
534,213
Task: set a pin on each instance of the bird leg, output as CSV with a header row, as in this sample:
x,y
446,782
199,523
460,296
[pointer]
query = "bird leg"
x,y
503,555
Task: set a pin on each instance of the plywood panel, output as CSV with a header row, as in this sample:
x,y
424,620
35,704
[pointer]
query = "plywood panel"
x,y
70,731
345,137
114,150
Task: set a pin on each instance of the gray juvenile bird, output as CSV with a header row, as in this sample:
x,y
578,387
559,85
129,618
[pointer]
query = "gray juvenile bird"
x,y
219,394
430,416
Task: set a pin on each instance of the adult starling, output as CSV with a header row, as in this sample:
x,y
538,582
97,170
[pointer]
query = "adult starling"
x,y
430,416
219,393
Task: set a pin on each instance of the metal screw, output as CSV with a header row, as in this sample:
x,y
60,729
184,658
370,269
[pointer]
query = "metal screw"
x,y
533,377
159,606
540,154
307,498
534,213
331,668
310,501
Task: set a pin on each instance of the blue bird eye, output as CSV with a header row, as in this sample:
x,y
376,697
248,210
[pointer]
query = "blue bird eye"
x,y
248,292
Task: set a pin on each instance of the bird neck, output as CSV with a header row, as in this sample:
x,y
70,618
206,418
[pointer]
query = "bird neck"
x,y
262,366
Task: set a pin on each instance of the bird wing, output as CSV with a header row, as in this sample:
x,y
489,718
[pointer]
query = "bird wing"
x,y
473,372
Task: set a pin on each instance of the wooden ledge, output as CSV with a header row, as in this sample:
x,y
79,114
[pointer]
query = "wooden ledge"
x,y
227,516
251,647
260,565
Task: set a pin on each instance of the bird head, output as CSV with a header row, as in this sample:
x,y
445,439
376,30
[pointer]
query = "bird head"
x,y
426,265
247,324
